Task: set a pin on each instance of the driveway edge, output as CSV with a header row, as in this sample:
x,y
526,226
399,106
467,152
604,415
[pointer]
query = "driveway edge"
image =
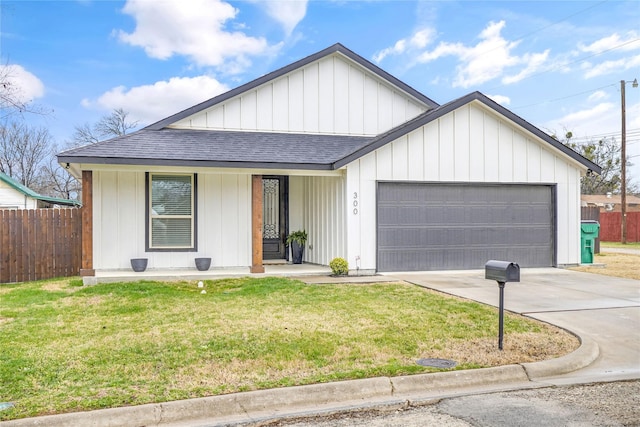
x,y
581,357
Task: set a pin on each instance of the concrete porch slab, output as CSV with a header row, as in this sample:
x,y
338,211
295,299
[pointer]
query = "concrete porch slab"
x,y
283,270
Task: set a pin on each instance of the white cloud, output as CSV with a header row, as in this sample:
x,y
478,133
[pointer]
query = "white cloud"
x,y
587,115
500,99
600,119
25,86
195,29
150,103
288,13
533,62
419,40
610,67
631,42
488,59
422,38
396,49
598,95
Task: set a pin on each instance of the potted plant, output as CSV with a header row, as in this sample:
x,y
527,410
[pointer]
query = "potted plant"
x,y
139,264
297,240
203,264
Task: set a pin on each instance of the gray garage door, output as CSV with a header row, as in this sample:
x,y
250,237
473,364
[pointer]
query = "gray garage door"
x,y
462,226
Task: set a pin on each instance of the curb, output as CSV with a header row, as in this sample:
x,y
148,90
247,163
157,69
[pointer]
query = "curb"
x,y
412,384
583,356
356,392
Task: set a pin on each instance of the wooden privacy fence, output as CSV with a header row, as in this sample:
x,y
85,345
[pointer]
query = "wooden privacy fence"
x,y
611,226
40,244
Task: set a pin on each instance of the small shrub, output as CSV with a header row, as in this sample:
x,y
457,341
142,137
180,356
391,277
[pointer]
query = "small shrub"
x,y
339,266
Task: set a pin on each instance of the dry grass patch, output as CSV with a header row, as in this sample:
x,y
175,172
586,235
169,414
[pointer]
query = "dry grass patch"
x,y
70,349
613,264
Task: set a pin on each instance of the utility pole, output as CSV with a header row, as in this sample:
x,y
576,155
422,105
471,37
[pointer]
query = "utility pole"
x,y
623,154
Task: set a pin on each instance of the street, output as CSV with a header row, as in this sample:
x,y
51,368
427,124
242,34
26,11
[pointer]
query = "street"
x,y
601,404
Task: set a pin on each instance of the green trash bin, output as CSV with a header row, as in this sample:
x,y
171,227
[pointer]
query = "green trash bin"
x,y
589,230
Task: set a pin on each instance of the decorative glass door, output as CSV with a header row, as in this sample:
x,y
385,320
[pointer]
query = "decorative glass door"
x,y
274,216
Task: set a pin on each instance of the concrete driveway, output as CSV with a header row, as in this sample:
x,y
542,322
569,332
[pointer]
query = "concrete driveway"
x,y
605,309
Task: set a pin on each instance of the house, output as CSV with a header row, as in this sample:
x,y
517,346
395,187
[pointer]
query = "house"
x,y
611,202
14,195
373,170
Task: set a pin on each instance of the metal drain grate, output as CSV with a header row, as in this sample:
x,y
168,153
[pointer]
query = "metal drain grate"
x,y
436,363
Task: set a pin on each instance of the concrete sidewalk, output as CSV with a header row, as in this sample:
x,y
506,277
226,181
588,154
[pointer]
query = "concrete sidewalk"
x,y
603,311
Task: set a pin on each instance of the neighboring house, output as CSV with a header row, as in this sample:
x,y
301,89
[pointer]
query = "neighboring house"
x,y
373,170
611,202
14,195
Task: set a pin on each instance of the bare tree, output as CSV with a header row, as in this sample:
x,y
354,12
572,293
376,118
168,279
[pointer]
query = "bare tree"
x,y
109,126
59,182
23,150
115,124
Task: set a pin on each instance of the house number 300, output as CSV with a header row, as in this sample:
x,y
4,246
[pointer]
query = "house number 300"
x,y
355,203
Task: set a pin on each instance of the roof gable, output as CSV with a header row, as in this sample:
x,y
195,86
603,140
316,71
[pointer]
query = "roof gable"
x,y
329,91
442,110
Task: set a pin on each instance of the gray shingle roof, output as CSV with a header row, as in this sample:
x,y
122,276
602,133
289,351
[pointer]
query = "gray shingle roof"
x,y
179,147
209,148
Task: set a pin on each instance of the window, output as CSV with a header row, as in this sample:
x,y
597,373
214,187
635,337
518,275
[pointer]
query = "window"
x,y
171,207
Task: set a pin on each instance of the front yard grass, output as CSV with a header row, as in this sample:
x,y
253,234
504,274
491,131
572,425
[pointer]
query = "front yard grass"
x,y
64,347
613,264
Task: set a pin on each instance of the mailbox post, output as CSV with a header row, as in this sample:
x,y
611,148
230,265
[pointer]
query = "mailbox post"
x,y
502,272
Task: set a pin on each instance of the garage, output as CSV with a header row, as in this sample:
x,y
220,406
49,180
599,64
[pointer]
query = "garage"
x,y
450,226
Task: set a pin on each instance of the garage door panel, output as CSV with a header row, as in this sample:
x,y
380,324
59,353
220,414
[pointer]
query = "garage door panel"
x,y
454,226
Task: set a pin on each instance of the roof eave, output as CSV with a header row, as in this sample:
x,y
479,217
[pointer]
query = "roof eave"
x,y
194,163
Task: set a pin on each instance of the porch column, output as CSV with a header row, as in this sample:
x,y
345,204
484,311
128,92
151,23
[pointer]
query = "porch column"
x,y
86,266
256,224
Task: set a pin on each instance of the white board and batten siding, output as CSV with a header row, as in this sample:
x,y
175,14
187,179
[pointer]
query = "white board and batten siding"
x,y
333,95
324,218
472,144
119,221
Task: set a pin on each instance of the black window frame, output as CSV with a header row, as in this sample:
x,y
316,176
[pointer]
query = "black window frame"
x,y
147,217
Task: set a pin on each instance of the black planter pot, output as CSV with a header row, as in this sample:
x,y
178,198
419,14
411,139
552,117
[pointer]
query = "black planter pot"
x,y
203,264
139,264
297,251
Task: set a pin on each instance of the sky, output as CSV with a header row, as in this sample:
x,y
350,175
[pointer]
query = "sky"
x,y
557,64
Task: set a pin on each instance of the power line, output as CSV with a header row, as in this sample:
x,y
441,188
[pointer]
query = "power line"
x,y
631,132
565,97
557,67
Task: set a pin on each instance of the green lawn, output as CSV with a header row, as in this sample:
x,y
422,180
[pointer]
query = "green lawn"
x,y
64,347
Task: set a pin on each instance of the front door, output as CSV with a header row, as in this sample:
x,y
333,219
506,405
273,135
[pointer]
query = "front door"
x,y
275,200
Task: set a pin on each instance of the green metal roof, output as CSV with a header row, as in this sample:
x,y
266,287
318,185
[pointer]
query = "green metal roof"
x,y
30,193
